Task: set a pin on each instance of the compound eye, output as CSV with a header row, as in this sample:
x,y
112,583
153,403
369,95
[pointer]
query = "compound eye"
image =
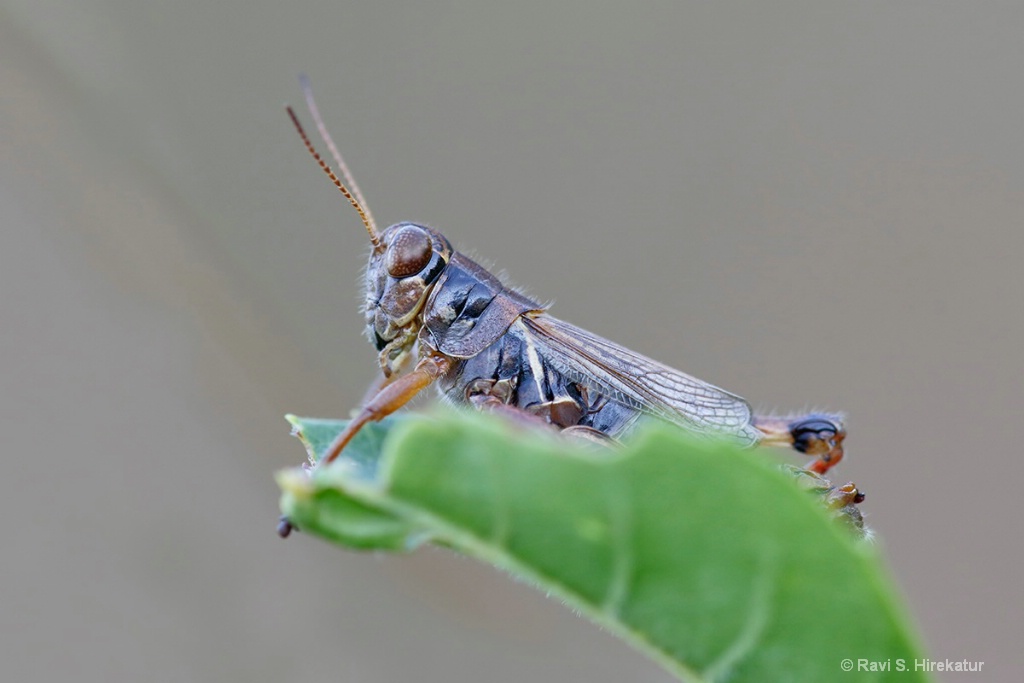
x,y
408,253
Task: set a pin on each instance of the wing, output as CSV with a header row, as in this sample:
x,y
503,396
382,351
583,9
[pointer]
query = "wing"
x,y
638,381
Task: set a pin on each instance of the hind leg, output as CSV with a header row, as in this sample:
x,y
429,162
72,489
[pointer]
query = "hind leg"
x,y
818,434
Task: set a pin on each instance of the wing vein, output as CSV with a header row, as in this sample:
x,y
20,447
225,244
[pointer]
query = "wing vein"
x,y
636,380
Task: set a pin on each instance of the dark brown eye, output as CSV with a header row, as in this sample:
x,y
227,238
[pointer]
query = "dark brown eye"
x,y
409,252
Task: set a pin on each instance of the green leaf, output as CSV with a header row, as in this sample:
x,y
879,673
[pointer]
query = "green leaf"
x,y
709,558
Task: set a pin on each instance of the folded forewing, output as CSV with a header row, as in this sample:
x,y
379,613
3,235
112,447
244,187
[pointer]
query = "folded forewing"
x,y
637,380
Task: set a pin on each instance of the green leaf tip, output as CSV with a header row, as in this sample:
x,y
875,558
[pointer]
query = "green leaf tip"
x,y
711,559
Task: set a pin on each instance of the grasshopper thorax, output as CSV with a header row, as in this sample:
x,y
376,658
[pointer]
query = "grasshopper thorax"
x,y
399,277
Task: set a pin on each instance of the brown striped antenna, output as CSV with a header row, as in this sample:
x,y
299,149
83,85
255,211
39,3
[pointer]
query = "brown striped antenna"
x,y
354,196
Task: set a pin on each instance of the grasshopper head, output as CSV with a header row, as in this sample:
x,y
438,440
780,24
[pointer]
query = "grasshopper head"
x,y
399,277
405,262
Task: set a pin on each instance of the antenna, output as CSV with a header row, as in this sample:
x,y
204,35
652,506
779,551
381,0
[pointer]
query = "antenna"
x,y
307,91
364,214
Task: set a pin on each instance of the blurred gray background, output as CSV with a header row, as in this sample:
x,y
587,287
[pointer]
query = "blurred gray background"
x,y
813,206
